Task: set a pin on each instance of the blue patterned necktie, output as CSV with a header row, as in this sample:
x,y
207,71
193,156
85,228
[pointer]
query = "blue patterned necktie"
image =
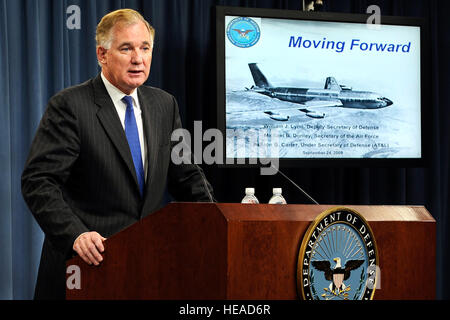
x,y
132,133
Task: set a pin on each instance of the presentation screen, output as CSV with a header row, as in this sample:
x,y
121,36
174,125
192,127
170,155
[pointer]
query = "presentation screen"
x,y
310,86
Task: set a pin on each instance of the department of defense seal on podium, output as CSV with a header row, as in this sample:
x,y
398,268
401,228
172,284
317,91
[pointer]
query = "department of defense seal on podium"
x,y
338,258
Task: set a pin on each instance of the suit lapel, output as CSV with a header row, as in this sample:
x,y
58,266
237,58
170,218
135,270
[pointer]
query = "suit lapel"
x,y
150,120
110,121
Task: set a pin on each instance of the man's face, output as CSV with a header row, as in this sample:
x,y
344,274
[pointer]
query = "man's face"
x,y
127,63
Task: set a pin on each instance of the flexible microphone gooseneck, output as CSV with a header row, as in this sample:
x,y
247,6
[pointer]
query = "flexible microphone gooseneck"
x,y
303,191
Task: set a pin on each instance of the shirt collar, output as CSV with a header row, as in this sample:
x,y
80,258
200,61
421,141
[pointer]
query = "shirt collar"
x,y
115,93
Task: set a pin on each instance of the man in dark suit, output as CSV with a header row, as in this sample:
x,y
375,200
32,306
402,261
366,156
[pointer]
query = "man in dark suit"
x,y
101,156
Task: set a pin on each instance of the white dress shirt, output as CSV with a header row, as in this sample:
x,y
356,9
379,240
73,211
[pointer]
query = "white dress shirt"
x,y
116,97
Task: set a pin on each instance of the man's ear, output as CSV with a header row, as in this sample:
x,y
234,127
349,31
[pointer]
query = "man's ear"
x,y
101,55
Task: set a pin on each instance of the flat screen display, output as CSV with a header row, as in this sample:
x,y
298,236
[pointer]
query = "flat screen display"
x,y
302,86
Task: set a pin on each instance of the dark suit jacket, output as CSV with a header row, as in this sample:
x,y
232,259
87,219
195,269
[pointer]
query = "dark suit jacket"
x,y
80,176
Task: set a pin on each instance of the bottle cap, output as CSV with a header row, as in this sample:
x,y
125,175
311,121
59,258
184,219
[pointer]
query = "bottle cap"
x,y
250,191
277,190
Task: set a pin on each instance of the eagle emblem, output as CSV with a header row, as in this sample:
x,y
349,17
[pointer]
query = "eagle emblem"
x,y
243,33
338,258
337,275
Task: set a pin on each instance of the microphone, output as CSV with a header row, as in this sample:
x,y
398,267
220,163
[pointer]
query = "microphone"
x,y
205,183
303,191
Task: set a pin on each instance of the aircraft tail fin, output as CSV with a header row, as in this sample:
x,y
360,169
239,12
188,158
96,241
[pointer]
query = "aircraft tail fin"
x,y
331,84
259,78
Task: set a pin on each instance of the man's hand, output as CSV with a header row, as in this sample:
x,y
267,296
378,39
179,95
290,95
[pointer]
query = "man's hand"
x,y
89,245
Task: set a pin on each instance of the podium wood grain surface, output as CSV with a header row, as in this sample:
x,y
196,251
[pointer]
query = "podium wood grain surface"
x,y
249,252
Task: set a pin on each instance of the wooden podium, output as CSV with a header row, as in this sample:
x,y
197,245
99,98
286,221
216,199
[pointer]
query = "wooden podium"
x,y
248,252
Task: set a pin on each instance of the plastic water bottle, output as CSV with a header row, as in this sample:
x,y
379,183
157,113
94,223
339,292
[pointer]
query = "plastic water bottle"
x,y
277,198
250,196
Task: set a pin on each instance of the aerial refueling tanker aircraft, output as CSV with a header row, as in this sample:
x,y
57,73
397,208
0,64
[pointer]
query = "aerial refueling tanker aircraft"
x,y
333,95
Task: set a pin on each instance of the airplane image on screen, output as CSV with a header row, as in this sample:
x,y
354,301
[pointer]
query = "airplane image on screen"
x,y
333,95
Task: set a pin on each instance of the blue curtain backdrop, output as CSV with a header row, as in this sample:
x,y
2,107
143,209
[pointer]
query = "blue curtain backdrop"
x,y
39,56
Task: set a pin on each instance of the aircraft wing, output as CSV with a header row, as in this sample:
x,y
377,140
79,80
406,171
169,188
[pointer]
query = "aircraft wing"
x,y
323,103
306,107
283,114
315,104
